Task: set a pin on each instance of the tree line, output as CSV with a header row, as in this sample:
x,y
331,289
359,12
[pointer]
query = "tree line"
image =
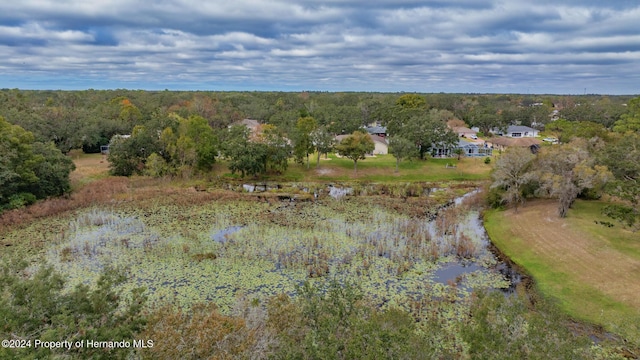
x,y
182,133
88,119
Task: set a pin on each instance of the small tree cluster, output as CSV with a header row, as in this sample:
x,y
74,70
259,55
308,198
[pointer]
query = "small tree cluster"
x,y
562,172
252,155
29,169
181,147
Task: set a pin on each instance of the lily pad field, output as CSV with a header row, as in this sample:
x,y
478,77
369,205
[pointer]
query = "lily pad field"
x,y
217,251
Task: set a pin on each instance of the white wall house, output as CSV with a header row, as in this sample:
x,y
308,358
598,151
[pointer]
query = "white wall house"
x,y
516,131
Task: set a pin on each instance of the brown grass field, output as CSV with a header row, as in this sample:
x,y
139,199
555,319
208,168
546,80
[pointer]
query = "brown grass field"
x,y
89,167
593,270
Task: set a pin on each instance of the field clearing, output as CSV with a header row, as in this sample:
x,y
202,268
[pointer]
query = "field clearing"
x,y
89,167
591,269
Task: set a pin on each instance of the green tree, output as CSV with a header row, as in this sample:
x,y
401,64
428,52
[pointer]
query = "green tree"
x,y
568,130
127,156
459,152
334,322
629,122
204,141
53,172
29,170
355,147
17,161
303,144
39,307
505,327
486,117
129,113
621,157
156,166
188,145
244,156
402,149
277,148
323,141
411,101
426,130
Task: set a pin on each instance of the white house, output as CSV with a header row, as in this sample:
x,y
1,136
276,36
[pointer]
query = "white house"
x,y
381,145
517,131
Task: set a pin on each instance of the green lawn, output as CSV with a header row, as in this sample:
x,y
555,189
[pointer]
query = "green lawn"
x,y
381,168
591,270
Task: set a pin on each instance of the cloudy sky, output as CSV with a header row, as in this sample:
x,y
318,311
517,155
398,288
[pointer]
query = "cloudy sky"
x,y
508,46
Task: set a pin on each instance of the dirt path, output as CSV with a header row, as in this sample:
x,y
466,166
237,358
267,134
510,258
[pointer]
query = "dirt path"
x,y
573,251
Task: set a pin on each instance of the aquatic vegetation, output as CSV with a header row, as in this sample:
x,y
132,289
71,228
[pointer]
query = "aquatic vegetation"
x,y
219,251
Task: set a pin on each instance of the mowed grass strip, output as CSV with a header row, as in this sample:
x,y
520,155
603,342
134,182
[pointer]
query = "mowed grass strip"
x,y
379,168
591,269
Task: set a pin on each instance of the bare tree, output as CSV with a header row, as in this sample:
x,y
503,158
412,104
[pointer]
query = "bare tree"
x,y
565,171
512,172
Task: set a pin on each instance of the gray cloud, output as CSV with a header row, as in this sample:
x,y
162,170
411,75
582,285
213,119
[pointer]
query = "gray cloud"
x,y
430,46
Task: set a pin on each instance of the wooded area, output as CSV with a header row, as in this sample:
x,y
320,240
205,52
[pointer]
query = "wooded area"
x,y
182,133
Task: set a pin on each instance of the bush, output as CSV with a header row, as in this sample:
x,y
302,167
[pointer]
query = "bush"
x,y
334,322
40,307
495,198
487,160
20,200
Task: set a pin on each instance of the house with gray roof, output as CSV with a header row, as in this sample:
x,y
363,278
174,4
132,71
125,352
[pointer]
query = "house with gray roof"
x,y
518,131
380,131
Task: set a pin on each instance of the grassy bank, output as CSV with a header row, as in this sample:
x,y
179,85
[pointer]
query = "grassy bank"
x,y
379,168
590,269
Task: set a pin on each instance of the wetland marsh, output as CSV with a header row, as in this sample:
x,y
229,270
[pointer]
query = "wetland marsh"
x,y
219,251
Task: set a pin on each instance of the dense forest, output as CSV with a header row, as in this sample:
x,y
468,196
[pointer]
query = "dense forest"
x,y
88,119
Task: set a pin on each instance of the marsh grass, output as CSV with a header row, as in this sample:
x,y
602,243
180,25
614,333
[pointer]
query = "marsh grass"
x,y
167,245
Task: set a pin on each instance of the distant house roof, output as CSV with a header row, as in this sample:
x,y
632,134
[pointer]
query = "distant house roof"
x,y
379,139
251,124
466,144
377,130
463,130
519,128
375,138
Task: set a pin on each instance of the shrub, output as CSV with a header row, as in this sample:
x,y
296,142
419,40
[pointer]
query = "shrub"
x,y
39,307
495,198
20,200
